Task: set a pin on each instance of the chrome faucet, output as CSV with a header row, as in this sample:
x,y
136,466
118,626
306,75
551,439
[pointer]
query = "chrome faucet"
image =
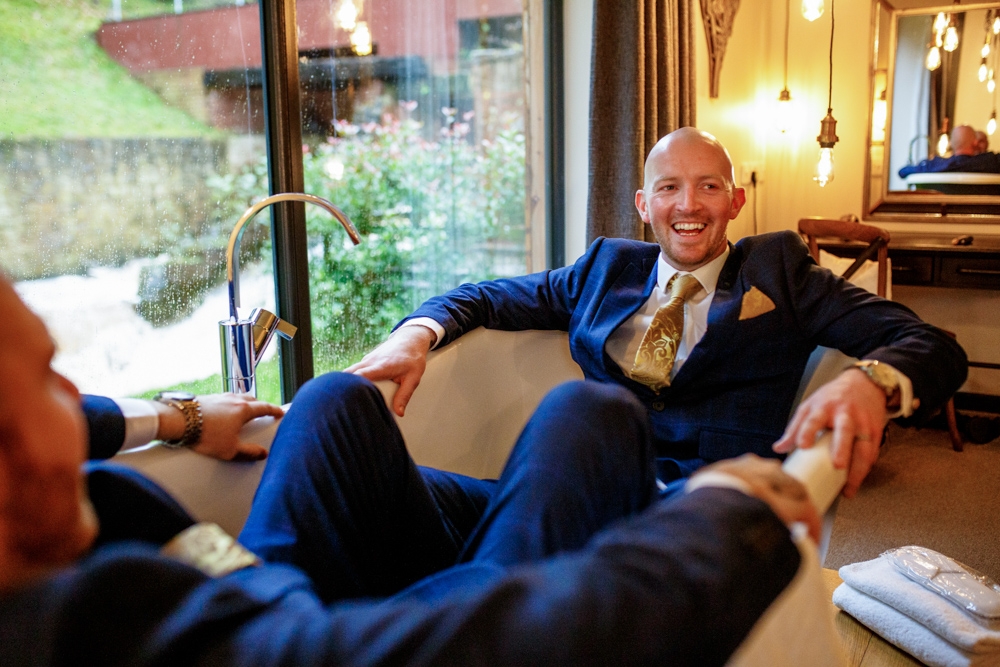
x,y
243,342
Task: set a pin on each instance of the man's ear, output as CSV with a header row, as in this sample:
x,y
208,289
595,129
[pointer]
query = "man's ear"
x,y
640,205
739,199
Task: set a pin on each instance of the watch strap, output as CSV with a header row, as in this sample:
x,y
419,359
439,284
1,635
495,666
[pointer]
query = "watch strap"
x,y
884,378
193,420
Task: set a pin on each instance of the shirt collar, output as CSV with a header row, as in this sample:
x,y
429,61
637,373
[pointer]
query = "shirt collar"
x,y
707,275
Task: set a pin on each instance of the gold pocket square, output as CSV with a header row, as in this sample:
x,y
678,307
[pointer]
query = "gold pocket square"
x,y
755,303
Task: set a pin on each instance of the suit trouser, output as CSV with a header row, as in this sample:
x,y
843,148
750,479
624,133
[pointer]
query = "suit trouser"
x,y
342,499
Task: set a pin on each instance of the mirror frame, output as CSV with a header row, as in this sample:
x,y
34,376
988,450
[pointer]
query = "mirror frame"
x,y
880,204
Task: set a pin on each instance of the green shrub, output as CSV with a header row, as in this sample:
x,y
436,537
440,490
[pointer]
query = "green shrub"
x,y
432,213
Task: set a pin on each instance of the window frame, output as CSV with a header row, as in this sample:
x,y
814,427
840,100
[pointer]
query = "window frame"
x,y
283,136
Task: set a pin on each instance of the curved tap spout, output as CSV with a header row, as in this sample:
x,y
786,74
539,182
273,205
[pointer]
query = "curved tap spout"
x,y
232,249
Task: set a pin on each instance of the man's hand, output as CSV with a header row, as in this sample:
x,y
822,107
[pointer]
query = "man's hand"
x,y
854,409
223,415
785,495
401,359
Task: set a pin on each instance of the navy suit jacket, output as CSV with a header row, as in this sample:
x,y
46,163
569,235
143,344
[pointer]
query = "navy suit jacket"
x,y
735,391
680,584
105,424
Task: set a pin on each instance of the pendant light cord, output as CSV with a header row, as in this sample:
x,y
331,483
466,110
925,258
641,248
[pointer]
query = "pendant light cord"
x,y
829,99
787,5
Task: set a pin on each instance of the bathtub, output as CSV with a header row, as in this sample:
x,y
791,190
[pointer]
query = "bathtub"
x,y
476,395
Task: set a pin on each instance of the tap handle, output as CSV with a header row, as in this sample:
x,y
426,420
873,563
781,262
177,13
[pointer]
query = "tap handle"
x,y
265,325
286,329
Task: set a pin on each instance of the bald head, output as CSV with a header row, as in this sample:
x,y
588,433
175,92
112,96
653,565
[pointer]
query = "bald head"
x,y
46,519
688,197
687,138
963,140
982,142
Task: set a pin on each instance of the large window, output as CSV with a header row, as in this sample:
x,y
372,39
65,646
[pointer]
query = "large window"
x,y
133,135
413,122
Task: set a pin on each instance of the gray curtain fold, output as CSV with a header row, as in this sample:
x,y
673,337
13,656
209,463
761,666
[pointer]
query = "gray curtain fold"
x,y
642,87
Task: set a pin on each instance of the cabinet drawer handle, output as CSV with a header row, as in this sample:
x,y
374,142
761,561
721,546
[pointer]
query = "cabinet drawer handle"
x,y
980,272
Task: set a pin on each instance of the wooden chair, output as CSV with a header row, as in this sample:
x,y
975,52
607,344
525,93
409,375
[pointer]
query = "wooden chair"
x,y
877,239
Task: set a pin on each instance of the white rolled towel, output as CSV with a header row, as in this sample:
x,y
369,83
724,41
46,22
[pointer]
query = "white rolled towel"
x,y
879,579
902,631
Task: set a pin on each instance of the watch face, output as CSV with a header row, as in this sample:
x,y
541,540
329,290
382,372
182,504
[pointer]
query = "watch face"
x,y
175,396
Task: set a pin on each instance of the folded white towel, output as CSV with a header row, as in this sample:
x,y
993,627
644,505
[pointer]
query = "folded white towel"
x,y
902,631
880,580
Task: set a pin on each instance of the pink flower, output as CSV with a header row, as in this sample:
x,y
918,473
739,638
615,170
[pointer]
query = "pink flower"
x,y
468,115
409,105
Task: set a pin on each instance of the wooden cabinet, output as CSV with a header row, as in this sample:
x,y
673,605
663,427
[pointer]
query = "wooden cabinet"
x,y
933,260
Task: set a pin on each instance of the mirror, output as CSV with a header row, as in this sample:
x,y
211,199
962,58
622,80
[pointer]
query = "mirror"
x,y
911,105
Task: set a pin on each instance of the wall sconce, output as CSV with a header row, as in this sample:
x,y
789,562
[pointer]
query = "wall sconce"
x,y
991,125
812,9
828,126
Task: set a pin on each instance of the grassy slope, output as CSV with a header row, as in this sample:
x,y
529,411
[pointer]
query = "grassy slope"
x,y
55,82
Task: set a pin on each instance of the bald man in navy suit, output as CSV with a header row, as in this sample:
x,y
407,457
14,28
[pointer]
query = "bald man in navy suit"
x,y
762,307
679,582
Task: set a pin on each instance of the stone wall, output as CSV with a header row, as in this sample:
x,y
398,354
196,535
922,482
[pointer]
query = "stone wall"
x,y
69,204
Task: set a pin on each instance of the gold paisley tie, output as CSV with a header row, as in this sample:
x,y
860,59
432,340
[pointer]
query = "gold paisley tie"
x,y
655,357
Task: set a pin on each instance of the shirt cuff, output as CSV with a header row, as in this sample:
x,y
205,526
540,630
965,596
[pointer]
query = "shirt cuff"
x,y
906,402
718,480
427,323
141,421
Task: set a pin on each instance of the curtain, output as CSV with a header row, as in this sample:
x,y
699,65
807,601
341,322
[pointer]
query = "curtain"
x,y
642,87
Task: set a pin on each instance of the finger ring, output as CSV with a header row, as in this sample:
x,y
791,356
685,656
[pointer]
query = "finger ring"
x,y
863,437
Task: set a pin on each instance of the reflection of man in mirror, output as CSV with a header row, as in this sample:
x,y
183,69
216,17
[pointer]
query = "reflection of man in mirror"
x,y
982,142
966,156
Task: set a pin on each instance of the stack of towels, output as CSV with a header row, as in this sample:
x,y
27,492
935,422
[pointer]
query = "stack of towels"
x,y
931,606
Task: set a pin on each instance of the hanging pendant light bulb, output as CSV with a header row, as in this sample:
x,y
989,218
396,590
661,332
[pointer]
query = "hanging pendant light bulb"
x,y
827,139
942,144
784,113
933,60
991,84
991,125
879,113
783,110
940,22
361,39
996,25
812,9
828,126
347,15
951,38
983,70
985,50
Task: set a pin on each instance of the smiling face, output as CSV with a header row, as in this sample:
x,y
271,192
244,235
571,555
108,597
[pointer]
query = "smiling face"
x,y
689,197
46,519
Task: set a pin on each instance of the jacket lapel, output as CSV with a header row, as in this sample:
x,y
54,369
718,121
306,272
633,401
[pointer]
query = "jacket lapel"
x,y
630,290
